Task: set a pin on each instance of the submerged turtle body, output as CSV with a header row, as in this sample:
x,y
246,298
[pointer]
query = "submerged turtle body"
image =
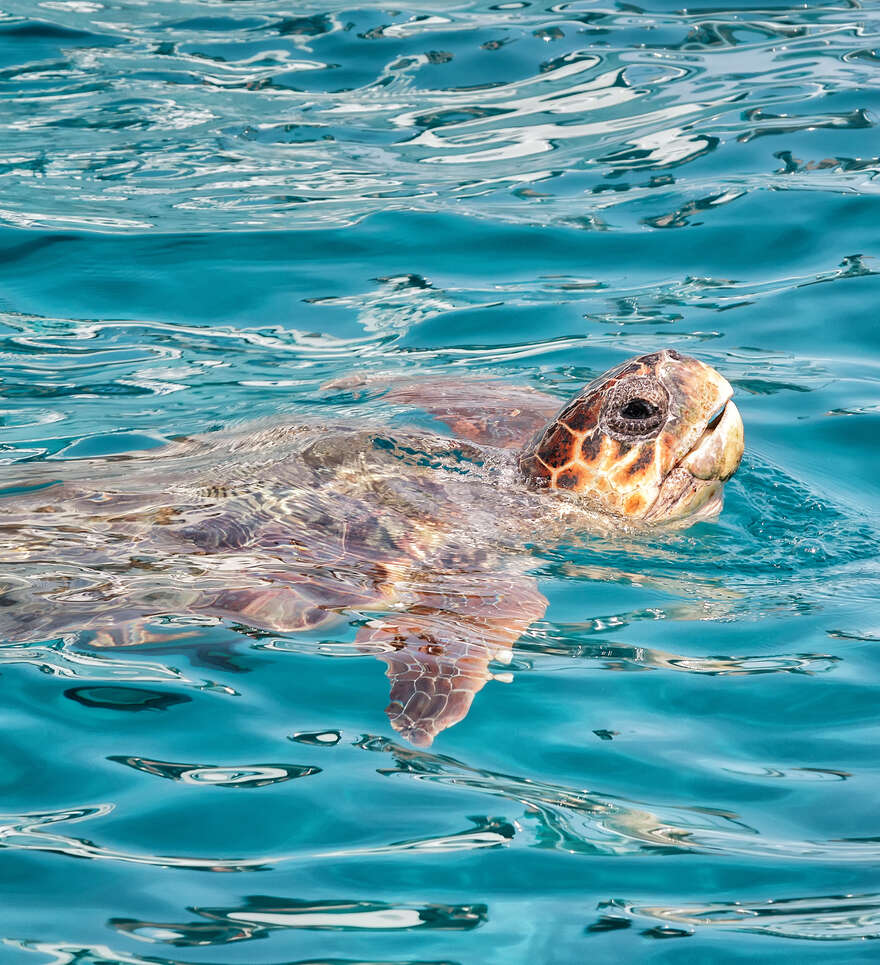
x,y
423,535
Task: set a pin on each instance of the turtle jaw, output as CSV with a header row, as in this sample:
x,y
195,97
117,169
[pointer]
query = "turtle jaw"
x,y
693,488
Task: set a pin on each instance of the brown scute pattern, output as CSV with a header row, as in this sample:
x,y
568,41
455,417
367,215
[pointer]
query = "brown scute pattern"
x,y
572,477
582,414
535,472
666,447
635,503
614,472
641,462
591,447
646,361
434,675
557,447
438,652
574,454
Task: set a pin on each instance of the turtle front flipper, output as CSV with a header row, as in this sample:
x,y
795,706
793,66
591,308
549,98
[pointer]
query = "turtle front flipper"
x,y
490,413
438,651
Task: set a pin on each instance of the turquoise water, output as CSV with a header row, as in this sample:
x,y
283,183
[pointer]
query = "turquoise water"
x,y
211,209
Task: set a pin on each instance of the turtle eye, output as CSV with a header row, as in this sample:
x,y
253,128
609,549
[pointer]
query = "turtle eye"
x,y
636,408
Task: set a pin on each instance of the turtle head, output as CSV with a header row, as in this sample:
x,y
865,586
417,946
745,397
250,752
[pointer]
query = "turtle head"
x,y
653,439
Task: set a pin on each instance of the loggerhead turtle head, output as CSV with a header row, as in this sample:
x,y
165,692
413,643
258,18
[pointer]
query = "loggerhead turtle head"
x,y
654,439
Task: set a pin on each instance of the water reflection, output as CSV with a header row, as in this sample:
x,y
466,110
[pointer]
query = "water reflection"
x,y
261,915
545,642
78,953
83,953
125,698
104,359
545,815
820,918
326,738
241,776
487,832
35,832
580,821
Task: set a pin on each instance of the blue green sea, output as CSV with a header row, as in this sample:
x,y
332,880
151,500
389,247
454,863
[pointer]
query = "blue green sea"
x,y
211,209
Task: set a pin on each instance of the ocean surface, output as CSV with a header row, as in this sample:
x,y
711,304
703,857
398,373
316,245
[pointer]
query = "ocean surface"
x,y
208,211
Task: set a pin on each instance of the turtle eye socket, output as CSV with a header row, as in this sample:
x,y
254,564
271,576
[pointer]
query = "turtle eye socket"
x,y
635,409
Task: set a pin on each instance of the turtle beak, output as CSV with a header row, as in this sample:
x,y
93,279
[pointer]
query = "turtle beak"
x,y
718,452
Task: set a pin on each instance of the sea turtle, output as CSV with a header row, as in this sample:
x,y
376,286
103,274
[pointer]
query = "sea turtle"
x,y
423,538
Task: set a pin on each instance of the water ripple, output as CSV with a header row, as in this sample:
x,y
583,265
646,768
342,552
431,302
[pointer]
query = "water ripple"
x,y
32,832
820,918
591,823
259,916
208,775
354,111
